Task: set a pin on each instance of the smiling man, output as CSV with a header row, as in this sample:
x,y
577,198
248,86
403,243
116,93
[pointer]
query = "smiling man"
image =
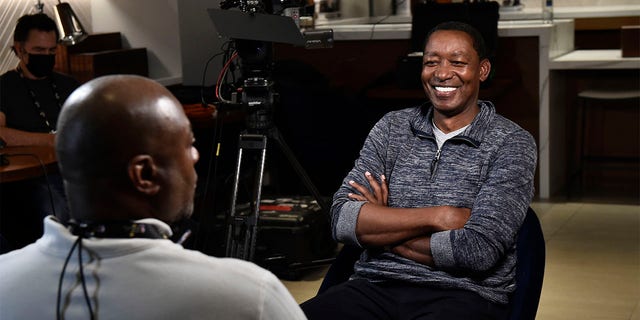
x,y
436,199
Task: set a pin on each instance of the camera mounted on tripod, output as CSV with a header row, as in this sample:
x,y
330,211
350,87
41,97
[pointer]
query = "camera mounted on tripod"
x,y
253,27
257,94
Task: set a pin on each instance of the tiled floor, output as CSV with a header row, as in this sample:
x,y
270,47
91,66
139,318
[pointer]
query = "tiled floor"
x,y
592,265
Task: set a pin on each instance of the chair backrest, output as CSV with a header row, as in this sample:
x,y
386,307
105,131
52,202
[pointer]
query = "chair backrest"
x,y
530,249
5,246
341,268
529,268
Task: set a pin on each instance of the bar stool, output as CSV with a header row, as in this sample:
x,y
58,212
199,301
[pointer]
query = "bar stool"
x,y
606,100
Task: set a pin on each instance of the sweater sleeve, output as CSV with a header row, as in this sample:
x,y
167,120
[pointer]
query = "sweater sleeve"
x,y
497,213
345,211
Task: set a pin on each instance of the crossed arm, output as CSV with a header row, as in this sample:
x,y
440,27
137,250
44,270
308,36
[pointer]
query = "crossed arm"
x,y
404,231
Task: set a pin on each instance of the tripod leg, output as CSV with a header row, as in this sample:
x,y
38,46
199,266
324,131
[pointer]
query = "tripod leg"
x,y
246,225
234,223
297,167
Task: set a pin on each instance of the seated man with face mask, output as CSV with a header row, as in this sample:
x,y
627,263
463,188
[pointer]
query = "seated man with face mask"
x,y
32,93
31,96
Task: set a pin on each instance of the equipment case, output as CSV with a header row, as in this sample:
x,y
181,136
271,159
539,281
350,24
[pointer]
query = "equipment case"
x,y
293,234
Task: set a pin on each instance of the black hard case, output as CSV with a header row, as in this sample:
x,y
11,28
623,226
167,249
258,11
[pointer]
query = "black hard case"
x,y
293,234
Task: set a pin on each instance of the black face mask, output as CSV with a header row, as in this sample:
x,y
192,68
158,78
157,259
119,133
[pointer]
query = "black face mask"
x,y
41,65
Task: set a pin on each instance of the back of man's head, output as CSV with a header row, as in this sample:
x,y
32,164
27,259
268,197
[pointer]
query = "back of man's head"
x,y
103,123
109,123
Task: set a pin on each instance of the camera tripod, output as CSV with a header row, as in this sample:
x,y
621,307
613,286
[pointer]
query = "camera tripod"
x,y
253,32
242,229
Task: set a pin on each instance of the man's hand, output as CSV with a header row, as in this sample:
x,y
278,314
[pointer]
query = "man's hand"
x,y
408,230
380,193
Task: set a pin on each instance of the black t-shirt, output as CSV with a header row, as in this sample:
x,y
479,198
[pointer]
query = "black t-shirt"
x,y
18,105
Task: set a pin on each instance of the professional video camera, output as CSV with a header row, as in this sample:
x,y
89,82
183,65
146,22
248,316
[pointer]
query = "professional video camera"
x,y
253,27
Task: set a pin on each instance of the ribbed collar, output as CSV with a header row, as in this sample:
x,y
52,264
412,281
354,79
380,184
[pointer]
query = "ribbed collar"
x,y
421,124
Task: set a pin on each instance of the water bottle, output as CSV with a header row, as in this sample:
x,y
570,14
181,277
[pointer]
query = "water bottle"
x,y
547,11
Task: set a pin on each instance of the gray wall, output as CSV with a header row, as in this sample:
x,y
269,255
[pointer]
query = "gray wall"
x,y
150,24
198,42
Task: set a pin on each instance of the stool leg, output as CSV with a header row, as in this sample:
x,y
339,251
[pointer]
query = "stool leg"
x,y
583,134
574,180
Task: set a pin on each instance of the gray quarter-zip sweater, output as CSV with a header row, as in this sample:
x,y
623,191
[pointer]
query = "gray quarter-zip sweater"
x,y
489,168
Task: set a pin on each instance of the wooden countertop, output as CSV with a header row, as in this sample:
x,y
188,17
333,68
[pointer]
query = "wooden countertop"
x,y
26,162
594,59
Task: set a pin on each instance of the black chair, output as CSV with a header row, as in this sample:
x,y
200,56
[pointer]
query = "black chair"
x,y
529,269
5,246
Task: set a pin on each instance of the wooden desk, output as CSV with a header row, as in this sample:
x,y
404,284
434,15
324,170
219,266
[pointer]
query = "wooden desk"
x,y
24,164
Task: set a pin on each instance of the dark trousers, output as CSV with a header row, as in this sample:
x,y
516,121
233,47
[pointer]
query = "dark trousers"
x,y
23,205
361,299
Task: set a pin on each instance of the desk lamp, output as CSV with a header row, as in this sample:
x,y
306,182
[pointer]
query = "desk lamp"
x,y
71,30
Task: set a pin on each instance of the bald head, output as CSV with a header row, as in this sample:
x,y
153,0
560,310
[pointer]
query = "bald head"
x,y
107,120
122,132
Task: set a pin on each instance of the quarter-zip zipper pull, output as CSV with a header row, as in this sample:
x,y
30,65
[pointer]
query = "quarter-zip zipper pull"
x,y
434,164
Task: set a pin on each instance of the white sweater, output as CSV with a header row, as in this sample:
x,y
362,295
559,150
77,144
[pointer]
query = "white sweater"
x,y
136,279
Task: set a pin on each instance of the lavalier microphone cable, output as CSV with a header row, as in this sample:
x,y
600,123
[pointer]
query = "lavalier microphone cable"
x,y
77,243
105,229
